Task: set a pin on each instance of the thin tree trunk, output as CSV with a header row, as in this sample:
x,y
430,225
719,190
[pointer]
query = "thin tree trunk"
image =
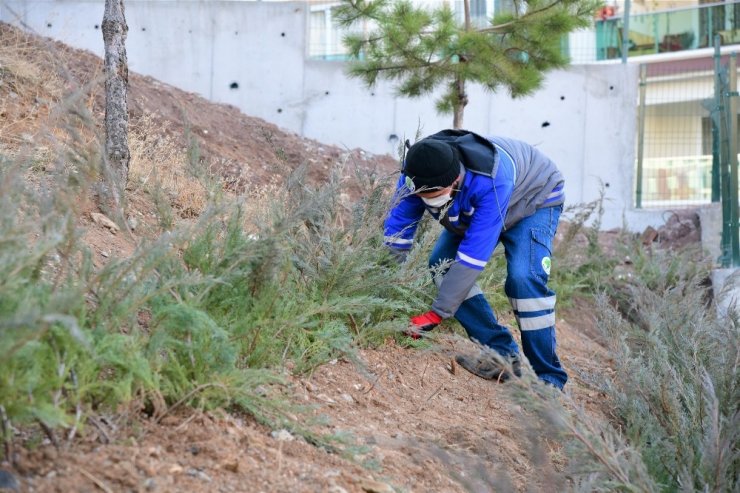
x,y
116,107
461,99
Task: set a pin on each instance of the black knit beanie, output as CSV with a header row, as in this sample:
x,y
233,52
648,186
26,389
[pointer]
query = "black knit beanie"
x,y
431,164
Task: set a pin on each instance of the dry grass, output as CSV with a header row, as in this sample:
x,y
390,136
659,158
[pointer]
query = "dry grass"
x,y
26,89
30,130
159,160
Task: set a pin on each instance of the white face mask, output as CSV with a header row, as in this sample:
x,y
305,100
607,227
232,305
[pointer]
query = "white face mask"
x,y
438,201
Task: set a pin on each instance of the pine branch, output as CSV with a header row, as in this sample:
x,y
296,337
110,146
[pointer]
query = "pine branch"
x,y
503,28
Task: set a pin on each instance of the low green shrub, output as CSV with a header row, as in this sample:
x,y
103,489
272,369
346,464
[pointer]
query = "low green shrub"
x,y
203,314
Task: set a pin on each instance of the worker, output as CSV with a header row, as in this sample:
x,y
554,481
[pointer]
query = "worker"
x,y
484,191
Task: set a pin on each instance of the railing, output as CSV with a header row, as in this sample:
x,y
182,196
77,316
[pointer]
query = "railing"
x,y
649,33
671,30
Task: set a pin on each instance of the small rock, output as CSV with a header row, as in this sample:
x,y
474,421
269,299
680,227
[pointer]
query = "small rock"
x,y
105,254
150,484
232,465
133,223
103,220
372,486
309,386
145,466
50,453
347,398
194,449
176,469
8,481
196,473
282,435
358,386
333,362
649,235
336,489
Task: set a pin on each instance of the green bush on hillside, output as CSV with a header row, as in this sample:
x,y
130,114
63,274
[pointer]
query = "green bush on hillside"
x,y
195,313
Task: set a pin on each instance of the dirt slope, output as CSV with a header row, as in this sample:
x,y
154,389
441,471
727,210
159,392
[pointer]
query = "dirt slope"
x,y
414,424
243,149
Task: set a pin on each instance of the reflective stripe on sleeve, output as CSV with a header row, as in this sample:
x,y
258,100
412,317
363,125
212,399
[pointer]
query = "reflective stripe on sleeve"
x,y
537,323
532,304
471,260
394,240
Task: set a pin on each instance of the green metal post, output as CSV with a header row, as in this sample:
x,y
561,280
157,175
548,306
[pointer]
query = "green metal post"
x,y
731,106
640,136
716,195
655,33
626,31
720,88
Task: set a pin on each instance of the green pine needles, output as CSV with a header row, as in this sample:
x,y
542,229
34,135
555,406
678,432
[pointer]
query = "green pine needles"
x,y
425,48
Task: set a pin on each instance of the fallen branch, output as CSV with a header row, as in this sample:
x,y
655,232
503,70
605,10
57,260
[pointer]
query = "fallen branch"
x,y
99,483
187,396
7,434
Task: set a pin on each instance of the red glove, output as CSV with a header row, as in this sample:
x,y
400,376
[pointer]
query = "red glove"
x,y
423,323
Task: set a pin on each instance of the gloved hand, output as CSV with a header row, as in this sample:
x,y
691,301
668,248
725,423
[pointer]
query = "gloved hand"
x,y
422,323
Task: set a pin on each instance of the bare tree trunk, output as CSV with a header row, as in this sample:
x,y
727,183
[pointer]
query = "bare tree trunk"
x,y
461,99
117,154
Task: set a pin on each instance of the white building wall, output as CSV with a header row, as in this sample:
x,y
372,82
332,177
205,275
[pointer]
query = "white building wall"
x,y
584,117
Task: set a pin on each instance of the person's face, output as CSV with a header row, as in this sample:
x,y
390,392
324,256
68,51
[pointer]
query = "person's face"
x,y
439,191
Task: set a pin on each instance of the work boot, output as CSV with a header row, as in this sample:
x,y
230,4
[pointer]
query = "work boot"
x,y
485,365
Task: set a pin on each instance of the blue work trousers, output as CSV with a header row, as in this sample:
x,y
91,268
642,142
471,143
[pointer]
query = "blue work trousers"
x,y
528,249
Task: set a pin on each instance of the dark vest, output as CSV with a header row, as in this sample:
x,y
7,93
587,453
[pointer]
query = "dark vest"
x,y
477,153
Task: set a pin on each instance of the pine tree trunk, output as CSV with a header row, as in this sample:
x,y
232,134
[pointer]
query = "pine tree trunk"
x,y
461,99
116,106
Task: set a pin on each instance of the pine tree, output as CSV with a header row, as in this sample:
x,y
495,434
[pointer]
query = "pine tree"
x,y
424,47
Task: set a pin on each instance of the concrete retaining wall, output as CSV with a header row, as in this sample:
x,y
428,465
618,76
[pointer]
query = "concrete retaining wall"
x,y
253,55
